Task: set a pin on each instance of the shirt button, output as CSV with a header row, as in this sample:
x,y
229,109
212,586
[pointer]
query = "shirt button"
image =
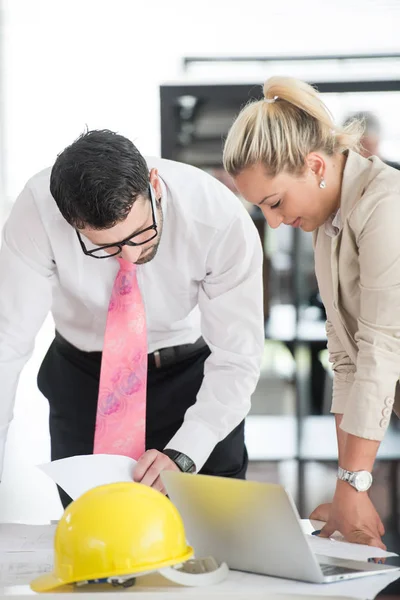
x,y
383,423
386,412
389,401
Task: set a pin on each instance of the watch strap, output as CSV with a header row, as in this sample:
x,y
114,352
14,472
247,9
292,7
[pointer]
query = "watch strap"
x,y
344,475
184,462
350,477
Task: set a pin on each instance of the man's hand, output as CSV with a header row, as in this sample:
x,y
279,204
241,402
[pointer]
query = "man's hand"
x,y
353,515
149,467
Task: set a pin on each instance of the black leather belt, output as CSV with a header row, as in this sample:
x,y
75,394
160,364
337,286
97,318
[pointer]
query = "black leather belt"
x,y
164,357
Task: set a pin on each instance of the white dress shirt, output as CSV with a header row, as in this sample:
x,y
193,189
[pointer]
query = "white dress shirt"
x,y
205,280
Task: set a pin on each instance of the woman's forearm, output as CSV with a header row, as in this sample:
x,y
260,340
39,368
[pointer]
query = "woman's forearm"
x,y
355,453
341,439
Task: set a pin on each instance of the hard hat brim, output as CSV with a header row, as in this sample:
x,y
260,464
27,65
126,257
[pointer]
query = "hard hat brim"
x,y
49,582
46,583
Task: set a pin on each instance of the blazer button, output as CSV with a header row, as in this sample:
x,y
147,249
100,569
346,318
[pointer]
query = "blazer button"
x,y
386,412
383,423
389,401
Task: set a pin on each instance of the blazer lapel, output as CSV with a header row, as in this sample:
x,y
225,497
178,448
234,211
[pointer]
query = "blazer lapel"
x,y
355,174
334,269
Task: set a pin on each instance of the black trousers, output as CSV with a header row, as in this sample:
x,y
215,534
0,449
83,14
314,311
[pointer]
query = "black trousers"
x,y
69,379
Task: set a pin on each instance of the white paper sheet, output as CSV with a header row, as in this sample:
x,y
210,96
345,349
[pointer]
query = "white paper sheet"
x,y
336,547
16,537
78,474
17,568
315,525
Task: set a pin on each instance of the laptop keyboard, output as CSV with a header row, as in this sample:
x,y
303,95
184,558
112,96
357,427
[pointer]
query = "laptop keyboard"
x,y
336,570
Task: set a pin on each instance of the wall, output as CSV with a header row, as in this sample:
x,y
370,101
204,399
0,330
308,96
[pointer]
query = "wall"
x,y
68,64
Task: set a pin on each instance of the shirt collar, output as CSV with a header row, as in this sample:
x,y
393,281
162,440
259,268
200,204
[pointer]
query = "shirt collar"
x,y
334,224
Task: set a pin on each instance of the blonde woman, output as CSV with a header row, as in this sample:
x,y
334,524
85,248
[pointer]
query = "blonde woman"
x,y
288,157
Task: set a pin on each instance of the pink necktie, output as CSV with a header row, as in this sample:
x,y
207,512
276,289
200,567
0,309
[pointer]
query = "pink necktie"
x,y
121,406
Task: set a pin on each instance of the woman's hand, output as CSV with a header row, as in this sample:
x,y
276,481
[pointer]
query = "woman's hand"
x,y
353,515
321,513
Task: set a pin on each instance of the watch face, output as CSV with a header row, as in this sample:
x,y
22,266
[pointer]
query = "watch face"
x,y
185,463
363,481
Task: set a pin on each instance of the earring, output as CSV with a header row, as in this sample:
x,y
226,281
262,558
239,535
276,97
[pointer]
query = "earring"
x,y
322,183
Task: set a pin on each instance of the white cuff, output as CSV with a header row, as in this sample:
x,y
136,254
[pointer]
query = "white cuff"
x,y
195,440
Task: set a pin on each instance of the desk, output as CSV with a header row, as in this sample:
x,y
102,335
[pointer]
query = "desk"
x,y
171,595
27,552
239,586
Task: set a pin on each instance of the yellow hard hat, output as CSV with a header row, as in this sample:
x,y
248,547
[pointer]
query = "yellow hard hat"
x,y
115,530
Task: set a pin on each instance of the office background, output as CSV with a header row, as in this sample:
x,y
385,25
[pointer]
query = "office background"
x,y
153,72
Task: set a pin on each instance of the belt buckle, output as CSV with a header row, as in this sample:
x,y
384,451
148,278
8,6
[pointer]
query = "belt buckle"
x,y
157,358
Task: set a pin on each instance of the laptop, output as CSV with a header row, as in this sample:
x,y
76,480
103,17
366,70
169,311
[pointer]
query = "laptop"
x,y
254,527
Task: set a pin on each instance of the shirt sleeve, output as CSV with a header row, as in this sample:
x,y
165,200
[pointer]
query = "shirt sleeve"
x,y
371,398
26,271
232,323
343,370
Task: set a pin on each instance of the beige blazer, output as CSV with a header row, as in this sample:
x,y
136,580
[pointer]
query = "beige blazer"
x,y
358,273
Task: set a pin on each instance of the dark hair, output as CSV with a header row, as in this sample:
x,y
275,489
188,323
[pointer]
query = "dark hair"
x,y
96,180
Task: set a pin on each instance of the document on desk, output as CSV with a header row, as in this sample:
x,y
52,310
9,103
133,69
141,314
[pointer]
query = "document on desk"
x,y
18,568
78,474
18,537
336,547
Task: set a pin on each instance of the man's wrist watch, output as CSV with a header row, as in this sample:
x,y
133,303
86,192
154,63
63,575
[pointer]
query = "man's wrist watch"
x,y
360,480
181,460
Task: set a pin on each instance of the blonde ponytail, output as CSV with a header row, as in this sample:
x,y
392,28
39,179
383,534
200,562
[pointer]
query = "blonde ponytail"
x,y
283,128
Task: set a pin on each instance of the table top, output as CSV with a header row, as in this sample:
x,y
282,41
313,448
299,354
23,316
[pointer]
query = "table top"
x,y
239,586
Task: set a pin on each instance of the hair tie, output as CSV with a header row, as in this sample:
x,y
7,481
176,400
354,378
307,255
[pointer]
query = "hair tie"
x,y
271,100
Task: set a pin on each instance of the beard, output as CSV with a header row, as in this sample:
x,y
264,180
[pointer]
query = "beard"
x,y
149,253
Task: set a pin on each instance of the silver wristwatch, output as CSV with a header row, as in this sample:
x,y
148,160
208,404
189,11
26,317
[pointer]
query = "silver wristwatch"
x,y
360,480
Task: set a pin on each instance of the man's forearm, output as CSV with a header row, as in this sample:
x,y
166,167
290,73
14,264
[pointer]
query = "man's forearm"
x,y
355,453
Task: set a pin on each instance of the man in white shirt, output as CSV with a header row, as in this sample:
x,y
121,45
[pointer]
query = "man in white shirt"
x,y
199,271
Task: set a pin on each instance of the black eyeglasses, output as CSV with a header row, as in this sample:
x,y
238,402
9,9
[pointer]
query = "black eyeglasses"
x,y
110,250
